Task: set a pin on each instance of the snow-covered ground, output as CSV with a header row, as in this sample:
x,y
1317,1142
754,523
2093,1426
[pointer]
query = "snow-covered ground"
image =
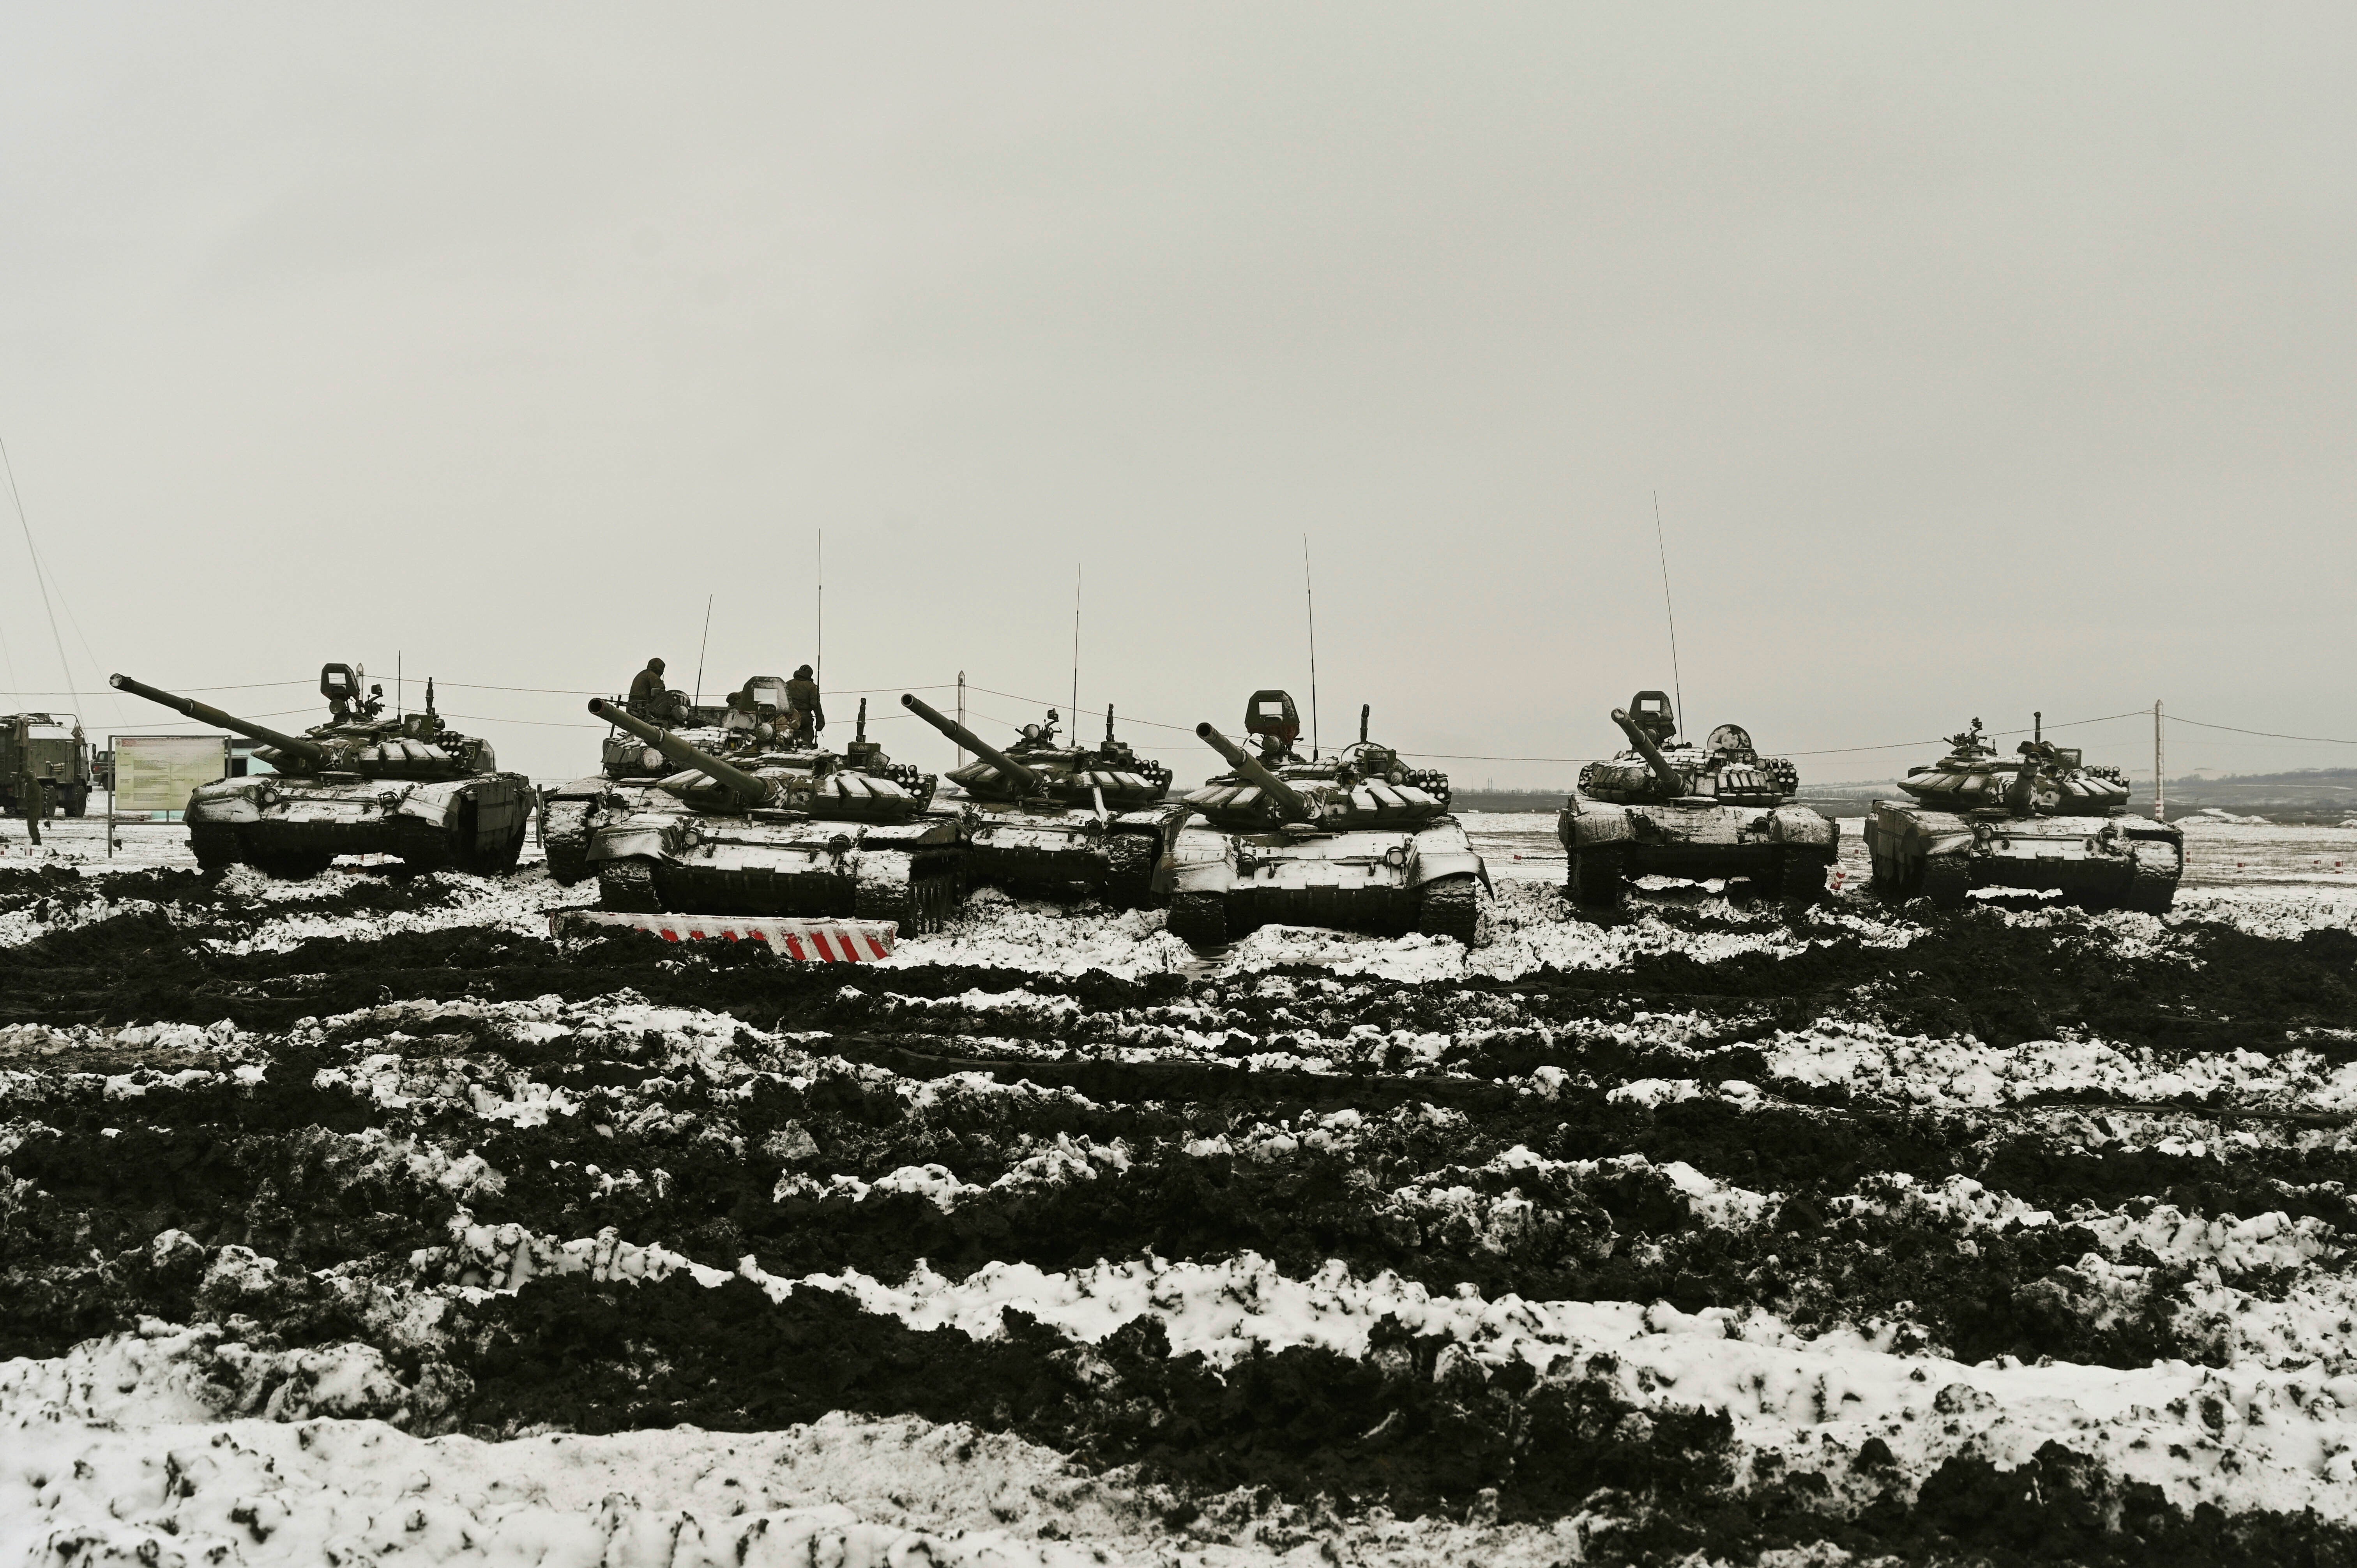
x,y
1835,1200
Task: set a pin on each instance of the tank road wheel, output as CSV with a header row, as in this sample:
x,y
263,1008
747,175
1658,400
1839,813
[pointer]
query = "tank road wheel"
x,y
1199,920
1945,879
627,886
216,848
1801,877
1598,878
1451,906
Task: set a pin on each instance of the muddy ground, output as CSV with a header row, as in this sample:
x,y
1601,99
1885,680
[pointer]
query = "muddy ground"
x,y
1296,1257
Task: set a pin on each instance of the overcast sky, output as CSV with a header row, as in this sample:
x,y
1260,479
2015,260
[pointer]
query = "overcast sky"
x,y
1984,359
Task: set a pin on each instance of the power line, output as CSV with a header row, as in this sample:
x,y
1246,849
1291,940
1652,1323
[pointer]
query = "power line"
x,y
40,578
2270,735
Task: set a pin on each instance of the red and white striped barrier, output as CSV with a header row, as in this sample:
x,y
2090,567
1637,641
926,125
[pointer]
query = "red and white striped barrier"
x,y
811,941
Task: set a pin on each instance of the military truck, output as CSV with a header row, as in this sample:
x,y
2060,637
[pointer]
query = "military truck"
x,y
2043,818
1668,808
792,834
1356,841
363,783
51,749
1058,821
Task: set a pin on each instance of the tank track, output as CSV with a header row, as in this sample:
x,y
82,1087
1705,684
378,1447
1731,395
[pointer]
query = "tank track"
x,y
1451,906
1800,875
216,848
2151,891
1946,880
1597,879
1199,920
1129,868
919,907
629,887
565,840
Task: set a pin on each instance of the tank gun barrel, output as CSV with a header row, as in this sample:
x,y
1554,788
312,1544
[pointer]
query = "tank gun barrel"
x,y
751,789
1022,779
293,747
1665,775
1297,807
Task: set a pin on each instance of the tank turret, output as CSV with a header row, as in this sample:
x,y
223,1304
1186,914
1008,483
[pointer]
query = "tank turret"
x,y
358,739
745,790
2040,779
1671,781
1363,785
1014,779
1658,766
1292,806
819,783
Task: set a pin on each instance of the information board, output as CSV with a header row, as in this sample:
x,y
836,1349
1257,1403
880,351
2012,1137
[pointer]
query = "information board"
x,y
156,772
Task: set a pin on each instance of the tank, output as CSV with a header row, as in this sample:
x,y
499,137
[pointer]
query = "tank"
x,y
360,784
52,749
1666,807
2043,818
1359,841
773,832
1051,819
743,724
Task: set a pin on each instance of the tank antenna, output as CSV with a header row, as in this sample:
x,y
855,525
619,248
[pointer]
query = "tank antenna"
x,y
1076,642
821,671
1309,598
1677,683
700,647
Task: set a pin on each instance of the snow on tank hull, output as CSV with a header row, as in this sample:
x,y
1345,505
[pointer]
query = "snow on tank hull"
x,y
1785,850
1388,881
2102,862
1070,853
294,824
656,859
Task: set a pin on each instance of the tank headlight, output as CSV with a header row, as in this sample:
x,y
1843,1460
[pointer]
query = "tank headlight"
x,y
764,732
653,759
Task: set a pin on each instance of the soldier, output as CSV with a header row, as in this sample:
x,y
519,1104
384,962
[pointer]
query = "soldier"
x,y
650,698
35,798
803,716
